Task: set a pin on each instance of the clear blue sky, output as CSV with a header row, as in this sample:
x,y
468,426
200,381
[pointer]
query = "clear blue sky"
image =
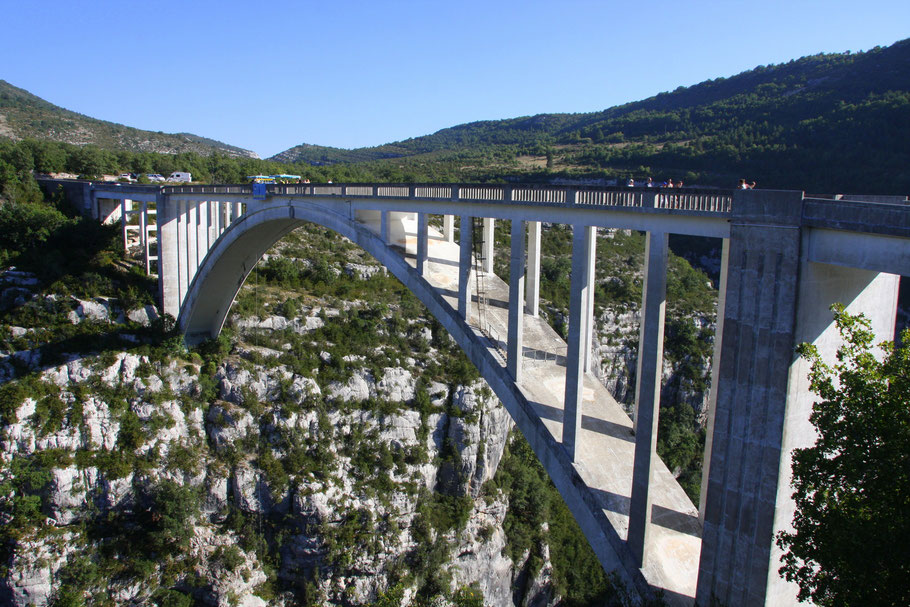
x,y
270,75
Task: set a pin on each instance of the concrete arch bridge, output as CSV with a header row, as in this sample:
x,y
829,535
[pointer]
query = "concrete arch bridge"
x,y
785,258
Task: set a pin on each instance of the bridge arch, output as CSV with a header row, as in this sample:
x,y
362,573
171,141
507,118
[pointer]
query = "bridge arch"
x,y
233,256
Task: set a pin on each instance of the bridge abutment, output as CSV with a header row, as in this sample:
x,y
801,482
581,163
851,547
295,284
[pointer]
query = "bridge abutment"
x,y
776,298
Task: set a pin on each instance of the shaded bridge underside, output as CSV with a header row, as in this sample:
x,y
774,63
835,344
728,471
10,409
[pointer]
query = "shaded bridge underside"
x,y
235,254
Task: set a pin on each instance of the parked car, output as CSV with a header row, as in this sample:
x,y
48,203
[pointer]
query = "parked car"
x,y
156,178
130,177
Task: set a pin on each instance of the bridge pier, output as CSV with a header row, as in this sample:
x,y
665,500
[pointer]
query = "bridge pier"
x,y
647,390
465,254
126,208
532,285
384,228
715,375
776,299
192,247
422,243
583,239
515,354
448,228
487,252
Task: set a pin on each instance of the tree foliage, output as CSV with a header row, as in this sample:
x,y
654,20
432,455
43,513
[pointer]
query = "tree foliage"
x,y
851,539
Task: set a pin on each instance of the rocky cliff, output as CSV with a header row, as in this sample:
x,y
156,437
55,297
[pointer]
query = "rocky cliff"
x,y
323,451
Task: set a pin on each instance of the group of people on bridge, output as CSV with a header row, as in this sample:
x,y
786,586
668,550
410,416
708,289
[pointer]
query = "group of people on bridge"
x,y
650,183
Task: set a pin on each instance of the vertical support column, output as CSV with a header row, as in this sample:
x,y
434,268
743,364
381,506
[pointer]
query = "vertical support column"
x,y
582,236
192,210
647,390
448,228
422,244
589,320
225,215
715,375
182,256
238,211
532,286
465,254
752,414
515,354
489,235
126,207
219,215
144,235
385,230
202,231
167,217
213,223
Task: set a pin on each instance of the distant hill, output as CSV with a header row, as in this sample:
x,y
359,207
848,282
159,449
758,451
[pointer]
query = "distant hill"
x,y
23,115
824,122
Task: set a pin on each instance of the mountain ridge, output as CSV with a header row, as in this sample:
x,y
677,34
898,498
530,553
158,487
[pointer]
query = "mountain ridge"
x,y
24,115
787,107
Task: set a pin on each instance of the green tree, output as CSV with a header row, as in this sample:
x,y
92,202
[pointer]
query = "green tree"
x,y
851,539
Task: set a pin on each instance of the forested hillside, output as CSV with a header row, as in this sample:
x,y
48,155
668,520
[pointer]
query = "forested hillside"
x,y
24,116
832,122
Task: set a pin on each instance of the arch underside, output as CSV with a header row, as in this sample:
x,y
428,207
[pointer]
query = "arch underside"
x,y
234,255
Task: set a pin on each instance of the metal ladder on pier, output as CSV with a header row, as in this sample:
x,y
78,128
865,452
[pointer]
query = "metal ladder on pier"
x,y
480,278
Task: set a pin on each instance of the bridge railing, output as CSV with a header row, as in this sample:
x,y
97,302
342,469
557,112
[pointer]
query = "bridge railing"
x,y
686,199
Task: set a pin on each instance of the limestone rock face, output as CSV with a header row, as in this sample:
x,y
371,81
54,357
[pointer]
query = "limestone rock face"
x,y
615,356
32,569
364,460
145,315
480,559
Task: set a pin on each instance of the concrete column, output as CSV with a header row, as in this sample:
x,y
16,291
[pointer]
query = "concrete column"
x,y
213,223
647,390
422,243
385,228
465,257
192,261
515,355
532,286
715,372
126,205
167,217
448,228
144,235
238,210
589,321
759,411
489,235
582,237
202,231
182,256
225,215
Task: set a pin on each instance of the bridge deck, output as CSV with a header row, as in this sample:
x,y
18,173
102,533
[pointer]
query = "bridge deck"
x,y
606,442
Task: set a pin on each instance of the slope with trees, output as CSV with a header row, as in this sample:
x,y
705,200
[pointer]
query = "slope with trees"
x,y
23,115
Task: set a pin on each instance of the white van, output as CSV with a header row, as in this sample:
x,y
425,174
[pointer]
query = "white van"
x,y
180,177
